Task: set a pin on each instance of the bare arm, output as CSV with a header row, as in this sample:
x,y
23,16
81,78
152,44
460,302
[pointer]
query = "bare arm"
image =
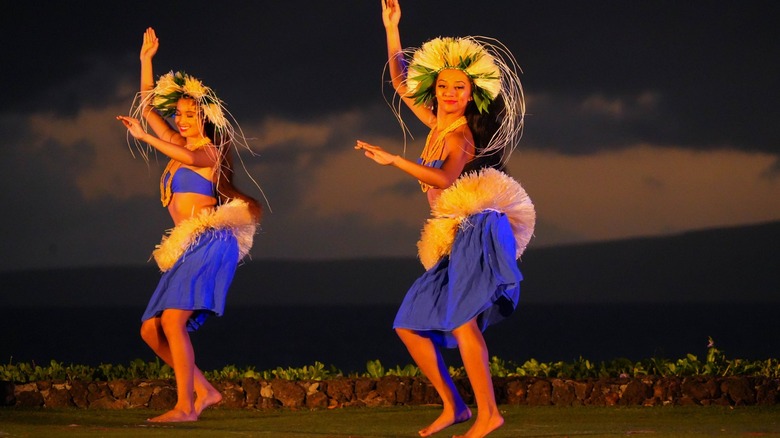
x,y
201,157
391,16
458,150
158,124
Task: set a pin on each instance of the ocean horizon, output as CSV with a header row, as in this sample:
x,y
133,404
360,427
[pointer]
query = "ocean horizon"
x,y
266,337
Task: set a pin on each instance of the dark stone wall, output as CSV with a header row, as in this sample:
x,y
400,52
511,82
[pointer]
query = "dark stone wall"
x,y
392,390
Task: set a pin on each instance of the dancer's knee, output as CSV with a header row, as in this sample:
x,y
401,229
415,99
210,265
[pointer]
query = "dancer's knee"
x,y
469,328
406,335
149,331
174,320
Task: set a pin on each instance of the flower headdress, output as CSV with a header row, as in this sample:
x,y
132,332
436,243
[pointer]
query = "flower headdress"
x,y
173,86
492,70
464,54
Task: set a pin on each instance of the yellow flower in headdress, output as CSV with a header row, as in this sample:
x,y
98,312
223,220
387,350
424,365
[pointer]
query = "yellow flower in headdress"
x,y
166,85
194,88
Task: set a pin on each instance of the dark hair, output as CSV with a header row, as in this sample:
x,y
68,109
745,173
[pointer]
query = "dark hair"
x,y
483,127
226,190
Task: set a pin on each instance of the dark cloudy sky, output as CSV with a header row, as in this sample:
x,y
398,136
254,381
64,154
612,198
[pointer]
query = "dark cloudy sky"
x,y
645,118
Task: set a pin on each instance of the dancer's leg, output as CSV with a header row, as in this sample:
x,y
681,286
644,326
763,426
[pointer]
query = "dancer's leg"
x,y
431,363
174,325
474,352
152,334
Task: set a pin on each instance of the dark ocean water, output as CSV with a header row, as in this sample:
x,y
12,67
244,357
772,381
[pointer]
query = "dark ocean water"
x,y
348,336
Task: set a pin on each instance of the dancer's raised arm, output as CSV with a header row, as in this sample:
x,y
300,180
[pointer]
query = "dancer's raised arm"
x,y
391,16
148,50
158,124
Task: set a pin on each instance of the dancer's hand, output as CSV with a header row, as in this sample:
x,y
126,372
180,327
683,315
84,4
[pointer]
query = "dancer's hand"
x,y
391,13
376,153
133,126
150,44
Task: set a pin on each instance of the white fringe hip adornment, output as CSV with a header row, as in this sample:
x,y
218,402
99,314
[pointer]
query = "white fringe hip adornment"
x,y
233,215
475,192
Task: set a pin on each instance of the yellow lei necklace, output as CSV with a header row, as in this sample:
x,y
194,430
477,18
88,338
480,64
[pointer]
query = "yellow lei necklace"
x,y
198,144
434,151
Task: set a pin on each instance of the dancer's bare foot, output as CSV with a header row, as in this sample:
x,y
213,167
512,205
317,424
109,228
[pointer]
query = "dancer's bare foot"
x,y
484,425
174,416
208,398
445,420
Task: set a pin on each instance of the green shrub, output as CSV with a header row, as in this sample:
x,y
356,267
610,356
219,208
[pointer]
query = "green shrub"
x,y
715,364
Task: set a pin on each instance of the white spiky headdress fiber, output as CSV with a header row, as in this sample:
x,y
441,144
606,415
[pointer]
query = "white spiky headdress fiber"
x,y
493,72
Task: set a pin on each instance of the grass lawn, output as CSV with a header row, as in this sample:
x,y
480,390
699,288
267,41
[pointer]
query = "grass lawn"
x,y
521,421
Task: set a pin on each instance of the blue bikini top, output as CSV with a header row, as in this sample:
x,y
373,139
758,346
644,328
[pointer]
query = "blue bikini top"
x,y
436,164
186,180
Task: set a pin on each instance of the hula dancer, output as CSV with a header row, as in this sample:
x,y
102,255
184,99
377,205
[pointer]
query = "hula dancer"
x,y
466,90
214,222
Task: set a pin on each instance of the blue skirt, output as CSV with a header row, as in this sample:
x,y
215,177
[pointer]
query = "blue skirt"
x,y
479,278
199,280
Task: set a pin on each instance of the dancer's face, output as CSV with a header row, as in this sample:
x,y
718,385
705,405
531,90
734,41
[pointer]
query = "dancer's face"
x,y
453,91
188,118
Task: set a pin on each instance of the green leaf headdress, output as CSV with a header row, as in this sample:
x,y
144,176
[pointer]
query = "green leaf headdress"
x,y
173,86
464,54
493,72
